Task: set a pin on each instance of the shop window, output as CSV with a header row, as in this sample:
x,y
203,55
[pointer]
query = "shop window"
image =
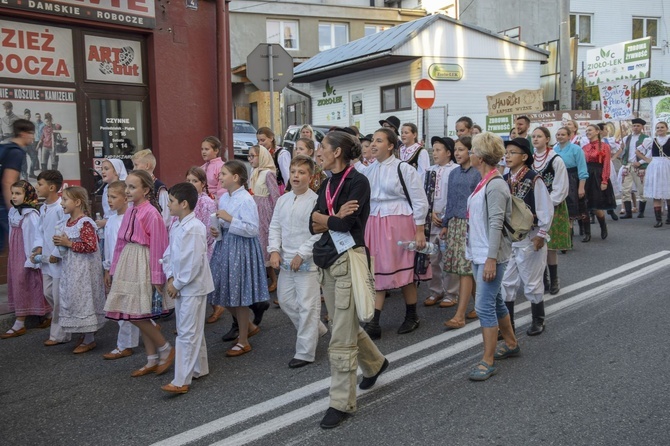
x,y
117,128
580,25
283,32
374,29
332,35
645,27
396,97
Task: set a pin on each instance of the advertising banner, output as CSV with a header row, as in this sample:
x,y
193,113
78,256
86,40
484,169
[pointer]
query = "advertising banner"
x,y
518,102
35,52
54,112
553,120
137,13
501,125
660,106
616,101
625,60
113,60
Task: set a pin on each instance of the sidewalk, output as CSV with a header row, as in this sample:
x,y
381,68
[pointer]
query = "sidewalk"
x,y
6,316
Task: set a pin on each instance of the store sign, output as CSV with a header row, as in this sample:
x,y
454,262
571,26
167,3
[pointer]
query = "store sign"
x,y
35,52
137,13
329,96
625,60
521,101
445,72
113,60
554,120
56,108
499,124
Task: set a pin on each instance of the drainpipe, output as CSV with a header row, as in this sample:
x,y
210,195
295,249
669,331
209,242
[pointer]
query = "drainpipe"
x,y
309,100
224,81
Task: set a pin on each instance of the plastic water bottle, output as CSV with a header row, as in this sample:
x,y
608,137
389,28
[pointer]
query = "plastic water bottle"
x,y
38,259
100,231
443,246
431,248
214,223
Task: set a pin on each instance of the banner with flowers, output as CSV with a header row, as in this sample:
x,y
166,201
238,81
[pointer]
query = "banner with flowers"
x,y
617,101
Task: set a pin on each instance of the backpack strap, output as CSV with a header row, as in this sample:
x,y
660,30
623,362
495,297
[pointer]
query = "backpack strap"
x,y
404,186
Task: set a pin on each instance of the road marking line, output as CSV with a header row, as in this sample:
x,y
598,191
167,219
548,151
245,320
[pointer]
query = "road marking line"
x,y
227,421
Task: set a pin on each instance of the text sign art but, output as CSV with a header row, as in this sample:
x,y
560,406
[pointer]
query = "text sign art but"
x,y
625,60
35,52
137,13
113,60
520,101
616,102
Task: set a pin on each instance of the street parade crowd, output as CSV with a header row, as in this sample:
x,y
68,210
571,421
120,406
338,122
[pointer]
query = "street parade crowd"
x,y
313,225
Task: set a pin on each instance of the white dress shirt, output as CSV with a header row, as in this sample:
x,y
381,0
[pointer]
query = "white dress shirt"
x,y
560,186
284,161
242,207
441,185
111,233
51,217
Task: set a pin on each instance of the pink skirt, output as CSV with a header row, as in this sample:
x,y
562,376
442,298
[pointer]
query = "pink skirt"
x,y
394,265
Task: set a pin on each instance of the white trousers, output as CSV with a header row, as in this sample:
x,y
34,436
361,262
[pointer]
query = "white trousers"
x,y
442,284
525,265
50,287
129,335
191,349
300,299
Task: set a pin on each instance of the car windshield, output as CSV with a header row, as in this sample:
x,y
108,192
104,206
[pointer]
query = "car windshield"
x,y
243,127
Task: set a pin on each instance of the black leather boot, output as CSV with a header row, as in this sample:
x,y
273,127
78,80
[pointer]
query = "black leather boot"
x,y
587,230
233,333
580,222
593,218
658,213
553,277
545,279
258,309
629,212
372,328
537,326
603,227
667,220
642,204
613,214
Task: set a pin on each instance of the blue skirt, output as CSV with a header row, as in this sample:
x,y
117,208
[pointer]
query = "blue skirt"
x,y
238,269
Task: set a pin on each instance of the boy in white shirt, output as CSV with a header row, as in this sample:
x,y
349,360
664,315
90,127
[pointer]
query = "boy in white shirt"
x,y
52,218
189,280
290,246
129,334
145,160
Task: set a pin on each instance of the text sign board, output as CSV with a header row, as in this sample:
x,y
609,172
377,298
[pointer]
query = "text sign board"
x,y
520,101
424,94
499,124
137,13
35,52
626,60
113,60
258,67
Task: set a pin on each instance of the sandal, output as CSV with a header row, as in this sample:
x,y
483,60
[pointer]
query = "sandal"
x,y
11,333
446,303
482,374
238,350
504,352
432,300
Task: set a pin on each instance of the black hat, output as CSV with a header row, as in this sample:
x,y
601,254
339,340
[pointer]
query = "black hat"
x,y
639,121
367,137
524,145
446,141
393,122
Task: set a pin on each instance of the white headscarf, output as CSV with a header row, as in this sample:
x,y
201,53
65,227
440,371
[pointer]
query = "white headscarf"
x,y
119,167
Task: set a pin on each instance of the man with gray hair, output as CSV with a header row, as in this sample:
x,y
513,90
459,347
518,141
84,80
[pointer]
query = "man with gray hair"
x,y
7,121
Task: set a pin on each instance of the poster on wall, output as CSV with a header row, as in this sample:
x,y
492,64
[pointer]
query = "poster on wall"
x,y
35,52
54,112
113,60
553,120
500,125
625,60
616,101
660,106
520,101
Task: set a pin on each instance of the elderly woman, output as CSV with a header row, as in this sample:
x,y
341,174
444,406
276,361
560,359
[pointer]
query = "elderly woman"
x,y
489,250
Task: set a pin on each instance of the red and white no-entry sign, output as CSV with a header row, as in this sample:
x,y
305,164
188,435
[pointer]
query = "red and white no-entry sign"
x,y
424,94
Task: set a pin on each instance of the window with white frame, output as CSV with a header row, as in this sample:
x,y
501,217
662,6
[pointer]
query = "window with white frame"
x,y
283,32
374,29
396,97
332,35
646,27
580,25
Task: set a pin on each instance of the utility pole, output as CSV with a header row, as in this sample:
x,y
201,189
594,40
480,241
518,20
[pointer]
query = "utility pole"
x,y
564,52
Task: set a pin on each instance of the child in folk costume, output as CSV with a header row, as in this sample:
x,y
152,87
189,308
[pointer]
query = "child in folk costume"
x,y
81,290
52,217
24,287
146,161
111,170
136,271
551,168
210,149
631,174
529,256
263,187
411,150
290,247
280,156
442,287
656,152
575,164
306,147
462,183
393,219
238,264
129,335
599,192
189,281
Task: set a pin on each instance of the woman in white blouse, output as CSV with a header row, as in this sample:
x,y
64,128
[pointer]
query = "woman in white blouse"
x,y
656,152
394,217
411,150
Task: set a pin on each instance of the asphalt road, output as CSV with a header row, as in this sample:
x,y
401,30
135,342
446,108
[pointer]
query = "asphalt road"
x,y
597,376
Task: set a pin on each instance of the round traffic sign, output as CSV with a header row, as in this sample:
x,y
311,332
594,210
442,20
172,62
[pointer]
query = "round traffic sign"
x,y
424,94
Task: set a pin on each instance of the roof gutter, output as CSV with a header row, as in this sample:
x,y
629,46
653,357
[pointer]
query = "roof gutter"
x,y
343,64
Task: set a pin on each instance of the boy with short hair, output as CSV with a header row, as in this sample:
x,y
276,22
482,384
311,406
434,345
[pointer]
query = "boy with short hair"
x,y
129,334
52,217
189,280
290,247
145,160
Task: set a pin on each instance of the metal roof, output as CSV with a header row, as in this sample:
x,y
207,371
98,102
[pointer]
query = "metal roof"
x,y
377,49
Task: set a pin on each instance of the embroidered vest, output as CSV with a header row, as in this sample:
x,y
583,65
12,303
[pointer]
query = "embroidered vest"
x,y
626,150
548,173
275,158
656,149
524,189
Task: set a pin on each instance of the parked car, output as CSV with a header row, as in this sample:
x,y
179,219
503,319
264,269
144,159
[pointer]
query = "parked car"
x,y
244,136
293,134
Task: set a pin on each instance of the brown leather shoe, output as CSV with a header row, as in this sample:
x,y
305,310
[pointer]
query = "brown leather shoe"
x,y
11,333
118,354
238,350
454,324
144,371
46,323
170,388
471,315
431,300
162,368
83,348
51,343
218,312
446,303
